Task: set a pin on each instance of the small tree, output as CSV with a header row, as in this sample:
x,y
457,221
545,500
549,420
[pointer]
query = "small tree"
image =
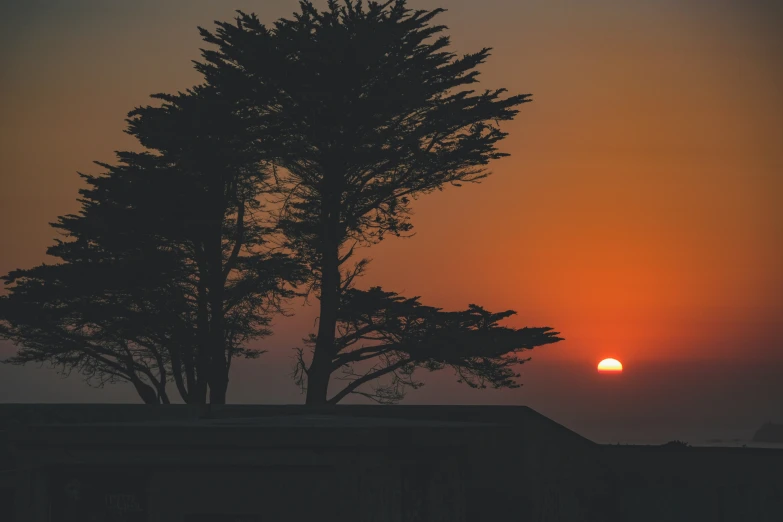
x,y
363,108
188,218
107,320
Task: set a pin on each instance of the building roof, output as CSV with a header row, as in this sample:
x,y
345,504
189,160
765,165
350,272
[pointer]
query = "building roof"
x,y
275,425
305,420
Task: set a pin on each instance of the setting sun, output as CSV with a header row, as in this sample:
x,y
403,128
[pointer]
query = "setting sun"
x,y
610,365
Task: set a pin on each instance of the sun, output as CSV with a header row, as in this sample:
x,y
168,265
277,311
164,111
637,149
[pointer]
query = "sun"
x,y
610,366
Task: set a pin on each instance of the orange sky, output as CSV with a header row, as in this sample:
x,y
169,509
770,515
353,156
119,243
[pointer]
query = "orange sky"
x,y
638,214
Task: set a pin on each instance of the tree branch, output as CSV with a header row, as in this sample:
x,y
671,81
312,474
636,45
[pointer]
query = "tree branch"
x,y
366,378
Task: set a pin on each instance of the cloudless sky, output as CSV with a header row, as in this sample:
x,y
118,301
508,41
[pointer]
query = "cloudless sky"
x,y
639,213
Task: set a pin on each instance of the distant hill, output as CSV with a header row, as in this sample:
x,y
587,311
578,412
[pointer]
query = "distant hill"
x,y
769,432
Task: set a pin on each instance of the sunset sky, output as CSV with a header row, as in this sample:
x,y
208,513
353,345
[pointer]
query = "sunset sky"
x,y
639,214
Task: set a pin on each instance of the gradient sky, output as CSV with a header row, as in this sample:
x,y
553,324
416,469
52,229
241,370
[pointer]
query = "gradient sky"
x,y
639,214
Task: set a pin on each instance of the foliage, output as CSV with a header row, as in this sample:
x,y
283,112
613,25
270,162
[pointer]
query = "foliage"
x,y
164,271
307,141
397,335
362,108
676,444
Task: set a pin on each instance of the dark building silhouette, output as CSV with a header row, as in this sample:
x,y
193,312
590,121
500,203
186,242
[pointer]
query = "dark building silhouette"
x,y
178,463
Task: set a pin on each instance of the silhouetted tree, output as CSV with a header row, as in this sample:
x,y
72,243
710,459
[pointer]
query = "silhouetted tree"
x,y
109,319
362,108
676,444
397,335
167,260
218,218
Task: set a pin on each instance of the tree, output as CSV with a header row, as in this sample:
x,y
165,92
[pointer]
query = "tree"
x,y
397,335
218,219
90,316
167,260
362,109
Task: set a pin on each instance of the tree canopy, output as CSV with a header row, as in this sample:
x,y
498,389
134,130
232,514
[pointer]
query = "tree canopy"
x,y
307,141
363,108
165,270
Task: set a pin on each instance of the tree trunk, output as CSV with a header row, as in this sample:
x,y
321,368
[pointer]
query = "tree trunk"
x,y
321,366
217,389
218,368
145,391
198,393
163,396
177,371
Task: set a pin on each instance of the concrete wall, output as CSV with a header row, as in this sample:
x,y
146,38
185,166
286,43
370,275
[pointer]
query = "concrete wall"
x,y
551,479
608,485
275,494
653,484
715,484
527,469
230,476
